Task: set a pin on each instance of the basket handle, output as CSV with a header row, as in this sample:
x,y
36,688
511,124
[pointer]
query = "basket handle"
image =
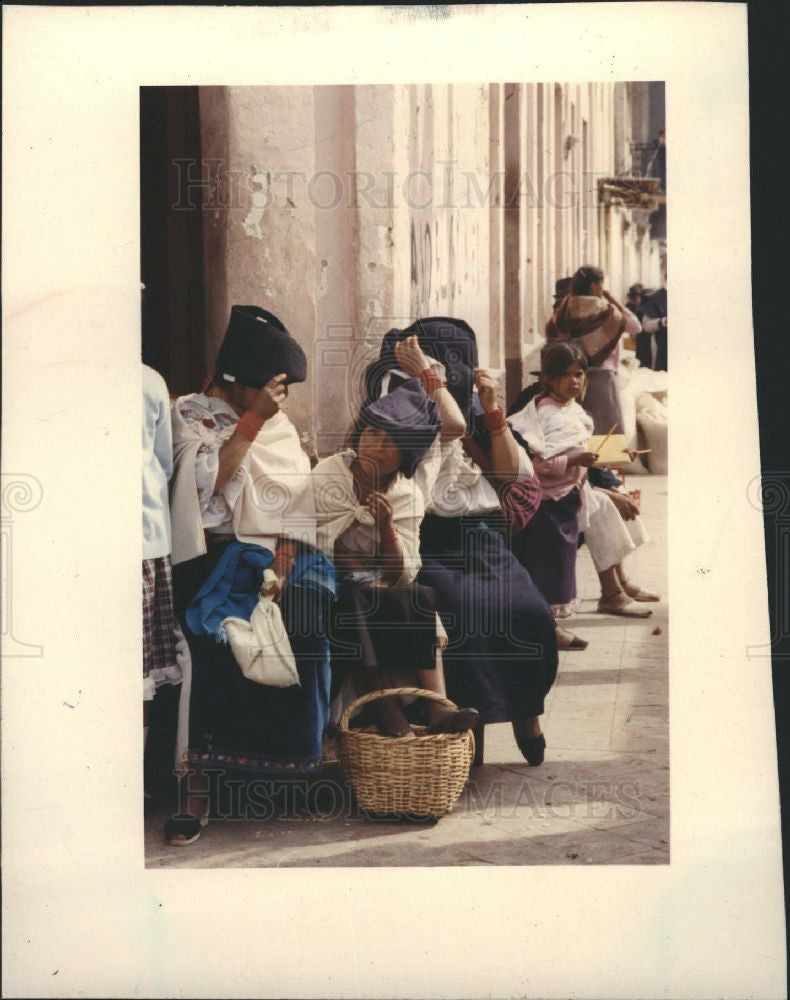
x,y
389,693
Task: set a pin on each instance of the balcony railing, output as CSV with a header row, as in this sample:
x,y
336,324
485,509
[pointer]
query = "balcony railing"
x,y
634,192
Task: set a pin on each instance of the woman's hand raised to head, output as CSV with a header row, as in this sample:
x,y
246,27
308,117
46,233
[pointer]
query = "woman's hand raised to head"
x,y
486,390
271,397
410,356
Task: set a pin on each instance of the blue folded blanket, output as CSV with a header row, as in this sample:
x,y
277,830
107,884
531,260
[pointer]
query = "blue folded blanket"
x,y
231,590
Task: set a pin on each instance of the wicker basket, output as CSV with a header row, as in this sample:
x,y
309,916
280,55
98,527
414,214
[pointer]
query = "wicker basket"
x,y
420,777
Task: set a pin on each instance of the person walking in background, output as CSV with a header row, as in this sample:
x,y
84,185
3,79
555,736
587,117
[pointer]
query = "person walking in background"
x,y
596,320
652,342
657,167
159,624
633,301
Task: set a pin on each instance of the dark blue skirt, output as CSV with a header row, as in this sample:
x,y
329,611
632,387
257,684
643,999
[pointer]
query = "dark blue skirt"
x,y
547,548
238,725
501,656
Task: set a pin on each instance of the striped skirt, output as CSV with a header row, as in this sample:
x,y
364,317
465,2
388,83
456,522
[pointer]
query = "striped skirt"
x,y
159,623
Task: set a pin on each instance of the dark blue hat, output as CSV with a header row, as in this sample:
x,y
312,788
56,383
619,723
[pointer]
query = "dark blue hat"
x,y
410,417
257,347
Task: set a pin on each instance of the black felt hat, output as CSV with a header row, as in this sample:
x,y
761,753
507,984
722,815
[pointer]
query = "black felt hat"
x,y
410,417
451,341
257,347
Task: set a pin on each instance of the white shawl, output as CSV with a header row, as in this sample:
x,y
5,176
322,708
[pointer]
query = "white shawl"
x,y
337,509
271,494
554,430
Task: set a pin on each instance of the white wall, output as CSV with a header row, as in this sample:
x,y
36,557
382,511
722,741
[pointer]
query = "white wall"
x,y
362,208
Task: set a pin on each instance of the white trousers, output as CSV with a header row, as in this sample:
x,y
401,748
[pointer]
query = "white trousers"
x,y
609,538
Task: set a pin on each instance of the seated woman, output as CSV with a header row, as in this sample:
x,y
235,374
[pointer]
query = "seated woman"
x,y
501,655
384,625
241,501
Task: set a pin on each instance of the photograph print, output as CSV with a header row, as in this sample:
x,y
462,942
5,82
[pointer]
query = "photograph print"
x,y
405,475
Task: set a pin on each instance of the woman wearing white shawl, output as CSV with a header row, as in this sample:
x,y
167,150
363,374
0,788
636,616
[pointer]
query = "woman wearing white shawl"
x,y
369,510
241,477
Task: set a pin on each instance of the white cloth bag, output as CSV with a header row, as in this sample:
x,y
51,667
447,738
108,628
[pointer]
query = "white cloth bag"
x,y
261,645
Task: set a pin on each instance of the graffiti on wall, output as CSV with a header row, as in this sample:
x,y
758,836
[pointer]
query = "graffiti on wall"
x,y
442,280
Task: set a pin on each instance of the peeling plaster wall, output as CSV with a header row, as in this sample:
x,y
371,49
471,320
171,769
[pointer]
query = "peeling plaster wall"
x,y
348,210
336,250
261,240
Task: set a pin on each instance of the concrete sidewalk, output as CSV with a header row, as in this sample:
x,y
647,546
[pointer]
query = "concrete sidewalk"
x,y
601,797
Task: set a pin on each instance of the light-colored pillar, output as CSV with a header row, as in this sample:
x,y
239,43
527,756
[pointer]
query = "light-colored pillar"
x,y
259,238
333,195
491,182
512,240
534,292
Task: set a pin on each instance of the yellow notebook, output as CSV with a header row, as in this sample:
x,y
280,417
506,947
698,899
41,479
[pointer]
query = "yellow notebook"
x,y
614,452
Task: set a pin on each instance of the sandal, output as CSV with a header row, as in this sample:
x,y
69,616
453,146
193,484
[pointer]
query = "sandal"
x,y
459,721
620,604
637,594
182,829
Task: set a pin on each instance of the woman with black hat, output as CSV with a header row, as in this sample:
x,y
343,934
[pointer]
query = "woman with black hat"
x,y
241,504
385,631
501,655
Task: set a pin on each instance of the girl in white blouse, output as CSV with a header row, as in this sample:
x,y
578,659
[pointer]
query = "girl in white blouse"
x,y
369,508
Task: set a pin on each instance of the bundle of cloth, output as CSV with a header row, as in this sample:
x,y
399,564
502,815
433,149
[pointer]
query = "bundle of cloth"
x,y
652,417
593,320
643,402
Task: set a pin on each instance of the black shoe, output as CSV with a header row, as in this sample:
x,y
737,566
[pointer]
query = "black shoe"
x,y
533,748
183,829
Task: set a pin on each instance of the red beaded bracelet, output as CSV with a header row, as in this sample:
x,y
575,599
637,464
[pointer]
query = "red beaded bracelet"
x,y
494,422
249,425
431,381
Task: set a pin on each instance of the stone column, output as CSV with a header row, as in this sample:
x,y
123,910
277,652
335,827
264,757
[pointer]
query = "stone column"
x,y
333,198
513,247
259,230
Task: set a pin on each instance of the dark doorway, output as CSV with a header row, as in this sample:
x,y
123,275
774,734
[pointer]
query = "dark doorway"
x,y
171,237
